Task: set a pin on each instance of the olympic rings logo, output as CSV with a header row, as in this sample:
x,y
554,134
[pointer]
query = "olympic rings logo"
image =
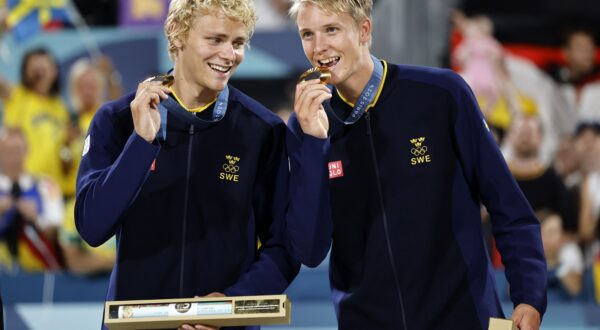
x,y
419,151
231,168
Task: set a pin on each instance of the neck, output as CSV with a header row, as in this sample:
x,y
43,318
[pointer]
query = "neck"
x,y
353,86
190,94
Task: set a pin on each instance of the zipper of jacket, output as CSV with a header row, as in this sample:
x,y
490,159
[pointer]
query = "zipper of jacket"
x,y
185,208
384,216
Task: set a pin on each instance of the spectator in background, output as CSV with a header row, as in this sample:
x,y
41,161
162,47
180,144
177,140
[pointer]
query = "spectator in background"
x,y
574,161
540,183
588,145
579,50
31,210
36,108
563,257
579,79
88,85
481,60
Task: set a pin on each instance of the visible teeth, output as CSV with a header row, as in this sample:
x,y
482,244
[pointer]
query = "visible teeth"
x,y
329,60
219,68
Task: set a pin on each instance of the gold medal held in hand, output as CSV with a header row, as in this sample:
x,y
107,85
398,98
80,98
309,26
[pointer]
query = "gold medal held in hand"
x,y
320,73
166,79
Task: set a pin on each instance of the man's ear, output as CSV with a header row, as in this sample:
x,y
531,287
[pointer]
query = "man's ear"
x,y
365,31
176,41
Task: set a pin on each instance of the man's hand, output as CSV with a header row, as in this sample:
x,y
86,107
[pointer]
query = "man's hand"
x,y
309,109
526,317
200,326
144,108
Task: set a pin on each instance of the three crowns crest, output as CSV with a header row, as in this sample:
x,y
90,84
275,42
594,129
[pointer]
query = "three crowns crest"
x,y
232,160
418,141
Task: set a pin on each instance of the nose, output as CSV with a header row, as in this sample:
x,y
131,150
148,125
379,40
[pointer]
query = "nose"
x,y
320,44
228,52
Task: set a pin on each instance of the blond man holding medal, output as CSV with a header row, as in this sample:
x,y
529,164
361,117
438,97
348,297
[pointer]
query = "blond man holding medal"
x,y
410,162
189,173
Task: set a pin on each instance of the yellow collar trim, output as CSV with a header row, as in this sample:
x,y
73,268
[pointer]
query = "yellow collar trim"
x,y
195,110
372,104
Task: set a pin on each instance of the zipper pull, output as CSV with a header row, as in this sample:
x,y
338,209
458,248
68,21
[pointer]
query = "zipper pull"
x,y
191,129
368,119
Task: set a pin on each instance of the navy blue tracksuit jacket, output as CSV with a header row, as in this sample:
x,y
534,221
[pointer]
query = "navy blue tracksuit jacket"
x,y
406,183
188,210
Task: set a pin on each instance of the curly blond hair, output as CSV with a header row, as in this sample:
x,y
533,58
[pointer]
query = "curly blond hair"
x,y
358,9
183,13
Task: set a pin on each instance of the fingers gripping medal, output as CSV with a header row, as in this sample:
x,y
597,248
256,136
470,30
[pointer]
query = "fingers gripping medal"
x,y
167,80
320,73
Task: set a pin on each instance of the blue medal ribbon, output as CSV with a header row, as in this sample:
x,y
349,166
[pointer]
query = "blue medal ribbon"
x,y
219,111
368,94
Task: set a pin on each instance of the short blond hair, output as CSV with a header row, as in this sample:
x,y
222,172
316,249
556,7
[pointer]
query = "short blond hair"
x,y
360,10
183,13
78,70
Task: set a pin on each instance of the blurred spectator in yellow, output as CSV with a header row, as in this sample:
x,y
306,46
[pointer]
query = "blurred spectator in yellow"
x,y
481,60
31,210
89,85
563,257
36,108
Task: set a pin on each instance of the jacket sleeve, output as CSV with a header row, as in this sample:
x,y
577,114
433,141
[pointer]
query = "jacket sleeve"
x,y
514,226
113,168
309,223
274,268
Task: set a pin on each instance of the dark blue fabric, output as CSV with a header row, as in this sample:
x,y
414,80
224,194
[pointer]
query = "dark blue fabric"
x,y
190,226
437,163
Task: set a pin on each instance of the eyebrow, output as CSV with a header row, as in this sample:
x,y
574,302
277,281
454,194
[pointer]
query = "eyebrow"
x,y
226,36
324,26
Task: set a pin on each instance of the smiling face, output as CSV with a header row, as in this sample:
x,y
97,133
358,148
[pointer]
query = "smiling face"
x,y
335,41
212,50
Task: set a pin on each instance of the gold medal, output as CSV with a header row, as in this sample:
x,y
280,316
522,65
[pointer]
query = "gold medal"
x,y
166,79
320,73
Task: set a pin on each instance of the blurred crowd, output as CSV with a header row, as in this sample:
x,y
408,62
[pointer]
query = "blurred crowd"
x,y
41,140
546,121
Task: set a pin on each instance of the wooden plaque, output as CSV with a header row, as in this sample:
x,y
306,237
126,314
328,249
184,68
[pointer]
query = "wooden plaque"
x,y
215,311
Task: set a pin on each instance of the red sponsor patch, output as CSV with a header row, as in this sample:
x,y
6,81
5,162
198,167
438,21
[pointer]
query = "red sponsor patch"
x,y
153,166
335,169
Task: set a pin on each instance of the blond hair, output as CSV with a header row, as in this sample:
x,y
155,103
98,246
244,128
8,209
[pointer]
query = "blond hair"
x,y
183,13
78,70
360,10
